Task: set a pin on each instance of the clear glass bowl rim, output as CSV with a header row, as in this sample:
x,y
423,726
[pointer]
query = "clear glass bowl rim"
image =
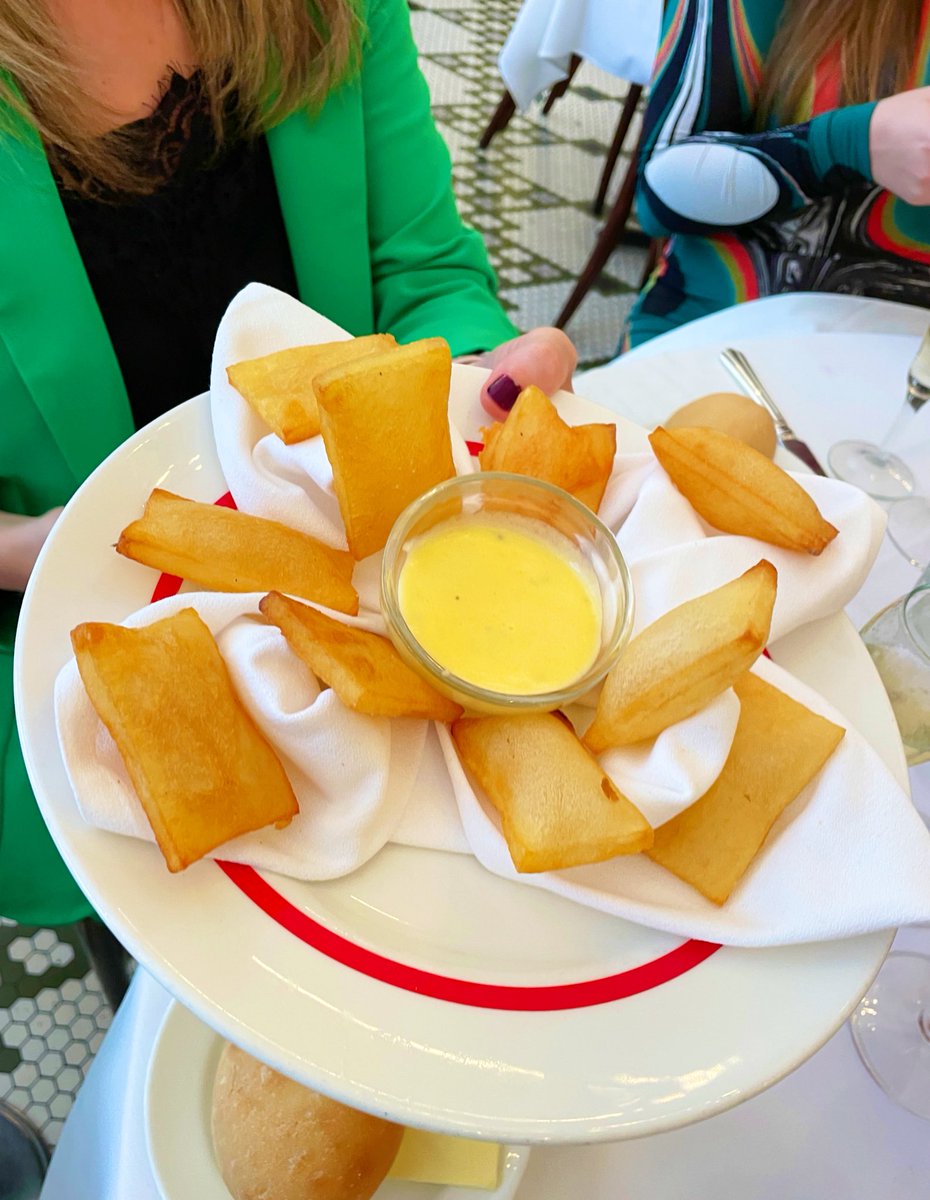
x,y
486,697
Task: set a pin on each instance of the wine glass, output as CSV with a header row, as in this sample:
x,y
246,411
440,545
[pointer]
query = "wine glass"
x,y
909,529
891,1026
877,470
891,1030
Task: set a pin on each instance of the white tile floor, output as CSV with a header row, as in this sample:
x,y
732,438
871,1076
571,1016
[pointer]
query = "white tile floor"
x,y
532,189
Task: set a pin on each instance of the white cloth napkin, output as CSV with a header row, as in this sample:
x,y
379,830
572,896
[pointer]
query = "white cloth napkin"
x,y
363,781
848,856
353,775
667,774
291,484
674,556
294,484
666,544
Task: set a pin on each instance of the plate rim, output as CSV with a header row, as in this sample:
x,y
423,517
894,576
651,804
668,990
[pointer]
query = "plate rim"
x,y
179,1024
212,1013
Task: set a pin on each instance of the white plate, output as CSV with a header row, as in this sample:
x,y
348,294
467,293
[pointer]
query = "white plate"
x,y
826,384
659,1055
178,1100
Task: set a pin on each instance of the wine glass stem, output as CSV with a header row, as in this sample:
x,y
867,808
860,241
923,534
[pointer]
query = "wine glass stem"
x,y
916,398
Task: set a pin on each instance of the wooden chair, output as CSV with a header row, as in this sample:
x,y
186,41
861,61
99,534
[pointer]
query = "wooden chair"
x,y
615,226
611,235
508,106
627,113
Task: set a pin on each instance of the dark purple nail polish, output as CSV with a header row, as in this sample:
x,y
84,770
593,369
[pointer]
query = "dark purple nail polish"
x,y
503,391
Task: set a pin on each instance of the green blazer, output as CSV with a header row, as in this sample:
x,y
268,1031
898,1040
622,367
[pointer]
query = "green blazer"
x,y
377,244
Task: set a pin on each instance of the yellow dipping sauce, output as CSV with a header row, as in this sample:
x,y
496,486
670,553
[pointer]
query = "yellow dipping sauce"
x,y
502,601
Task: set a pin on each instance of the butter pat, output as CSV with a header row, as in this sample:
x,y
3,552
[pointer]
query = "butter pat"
x,y
436,1158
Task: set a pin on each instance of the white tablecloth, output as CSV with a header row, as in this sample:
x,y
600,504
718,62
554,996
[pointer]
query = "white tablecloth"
x,y
801,315
801,312
826,1131
619,36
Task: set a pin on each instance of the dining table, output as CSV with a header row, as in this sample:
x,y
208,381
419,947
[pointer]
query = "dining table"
x,y
827,1129
619,36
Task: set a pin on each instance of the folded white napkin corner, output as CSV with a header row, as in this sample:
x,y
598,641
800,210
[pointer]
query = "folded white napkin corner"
x,y
291,484
674,556
668,773
848,856
352,775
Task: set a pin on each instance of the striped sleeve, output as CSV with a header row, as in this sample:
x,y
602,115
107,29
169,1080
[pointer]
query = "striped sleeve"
x,y
702,169
705,77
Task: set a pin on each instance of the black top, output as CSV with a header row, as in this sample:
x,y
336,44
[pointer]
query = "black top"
x,y
165,266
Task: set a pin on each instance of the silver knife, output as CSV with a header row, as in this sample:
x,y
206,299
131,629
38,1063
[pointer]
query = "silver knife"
x,y
739,367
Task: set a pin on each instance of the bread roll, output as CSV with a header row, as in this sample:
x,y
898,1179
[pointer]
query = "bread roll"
x,y
277,1140
731,413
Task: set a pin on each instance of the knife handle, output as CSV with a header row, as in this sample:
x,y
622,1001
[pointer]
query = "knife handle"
x,y
802,451
740,368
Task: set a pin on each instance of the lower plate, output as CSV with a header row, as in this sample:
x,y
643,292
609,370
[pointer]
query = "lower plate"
x,y
178,1097
346,985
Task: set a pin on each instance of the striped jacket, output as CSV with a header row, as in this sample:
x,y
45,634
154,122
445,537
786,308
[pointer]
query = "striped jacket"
x,y
753,212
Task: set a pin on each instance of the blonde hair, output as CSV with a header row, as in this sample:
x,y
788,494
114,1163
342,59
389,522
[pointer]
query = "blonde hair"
x,y
877,41
260,60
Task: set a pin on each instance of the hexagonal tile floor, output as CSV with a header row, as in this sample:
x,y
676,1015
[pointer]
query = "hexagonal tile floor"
x,y
52,1019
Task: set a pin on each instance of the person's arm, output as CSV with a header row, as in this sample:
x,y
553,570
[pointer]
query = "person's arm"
x,y
715,180
702,171
697,85
703,168
21,539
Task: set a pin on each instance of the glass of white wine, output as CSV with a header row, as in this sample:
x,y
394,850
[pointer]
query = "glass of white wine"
x,y
891,1026
898,639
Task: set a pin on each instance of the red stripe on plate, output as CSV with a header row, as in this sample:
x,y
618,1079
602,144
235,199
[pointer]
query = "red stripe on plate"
x,y
463,991
167,585
584,994
170,585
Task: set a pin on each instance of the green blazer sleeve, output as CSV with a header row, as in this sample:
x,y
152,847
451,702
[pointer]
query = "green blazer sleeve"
x,y
430,274
377,243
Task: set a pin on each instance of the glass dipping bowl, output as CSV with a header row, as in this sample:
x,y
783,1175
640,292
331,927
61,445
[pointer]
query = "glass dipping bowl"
x,y
500,492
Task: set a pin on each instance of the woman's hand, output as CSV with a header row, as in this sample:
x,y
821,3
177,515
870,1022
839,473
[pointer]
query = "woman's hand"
x,y
544,356
899,145
21,539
